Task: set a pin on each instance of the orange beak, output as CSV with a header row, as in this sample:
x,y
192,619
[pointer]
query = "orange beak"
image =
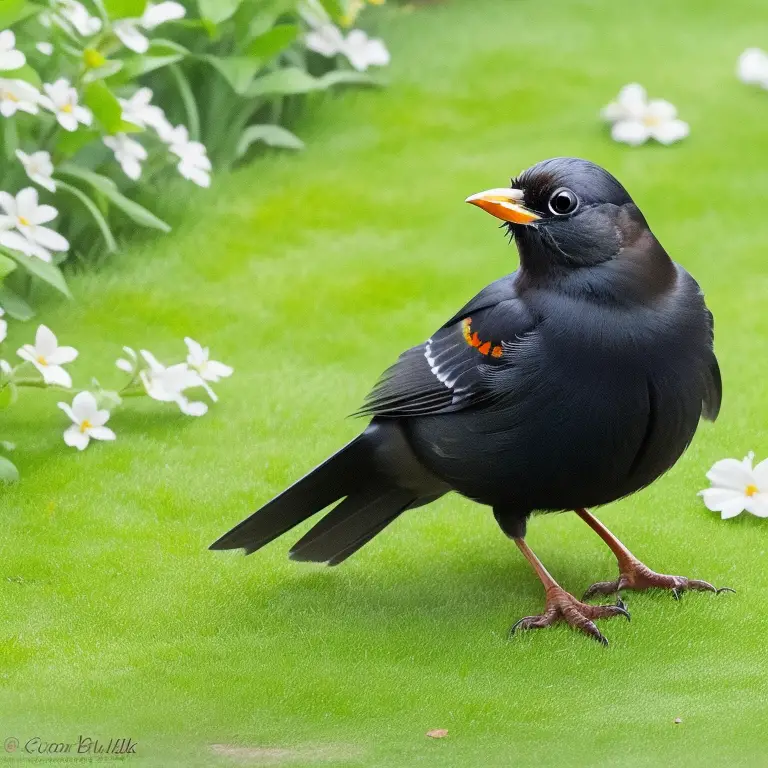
x,y
505,204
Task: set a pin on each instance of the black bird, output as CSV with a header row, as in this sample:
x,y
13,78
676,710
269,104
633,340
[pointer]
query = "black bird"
x,y
576,380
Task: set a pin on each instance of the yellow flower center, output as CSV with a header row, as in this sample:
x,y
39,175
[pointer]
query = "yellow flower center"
x,y
10,96
751,490
67,108
651,120
85,425
24,221
42,360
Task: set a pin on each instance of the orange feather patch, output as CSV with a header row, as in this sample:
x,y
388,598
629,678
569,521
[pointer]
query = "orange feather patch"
x,y
474,340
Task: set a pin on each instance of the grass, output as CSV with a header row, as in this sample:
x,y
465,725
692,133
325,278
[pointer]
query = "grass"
x,y
309,273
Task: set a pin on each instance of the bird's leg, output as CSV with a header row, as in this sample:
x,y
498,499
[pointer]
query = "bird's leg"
x,y
562,606
634,574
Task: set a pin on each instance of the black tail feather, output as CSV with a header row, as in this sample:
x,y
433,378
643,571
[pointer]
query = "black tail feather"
x,y
336,477
351,524
340,557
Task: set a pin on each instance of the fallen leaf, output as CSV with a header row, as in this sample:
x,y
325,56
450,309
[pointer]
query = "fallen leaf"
x,y
437,733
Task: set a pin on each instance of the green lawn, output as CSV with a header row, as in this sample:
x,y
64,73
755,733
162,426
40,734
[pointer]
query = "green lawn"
x,y
309,273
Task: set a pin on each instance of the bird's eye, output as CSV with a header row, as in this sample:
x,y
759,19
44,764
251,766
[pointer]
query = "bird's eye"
x,y
563,201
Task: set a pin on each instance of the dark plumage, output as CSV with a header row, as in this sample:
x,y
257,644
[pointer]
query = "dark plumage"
x,y
574,381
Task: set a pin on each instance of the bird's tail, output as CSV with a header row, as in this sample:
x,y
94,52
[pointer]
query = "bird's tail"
x,y
370,503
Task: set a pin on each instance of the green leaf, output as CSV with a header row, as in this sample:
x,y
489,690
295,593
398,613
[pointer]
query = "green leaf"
x,y
161,53
104,105
8,472
346,77
217,11
8,395
333,8
108,69
69,143
42,270
268,45
6,267
125,9
14,11
238,71
96,214
14,305
25,73
10,138
109,189
188,99
273,135
290,80
137,66
264,17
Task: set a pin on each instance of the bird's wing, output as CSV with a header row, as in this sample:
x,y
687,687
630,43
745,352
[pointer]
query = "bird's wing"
x,y
713,385
458,366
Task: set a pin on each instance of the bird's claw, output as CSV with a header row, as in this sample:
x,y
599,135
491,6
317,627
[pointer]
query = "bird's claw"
x,y
635,575
562,606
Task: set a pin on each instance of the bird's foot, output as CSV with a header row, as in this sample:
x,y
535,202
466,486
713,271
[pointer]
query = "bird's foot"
x,y
638,576
563,606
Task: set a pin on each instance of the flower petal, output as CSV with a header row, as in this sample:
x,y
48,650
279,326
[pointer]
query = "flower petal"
x,y
44,214
130,36
716,499
124,365
192,408
219,370
758,505
661,110
75,438
68,410
62,355
45,341
101,433
84,406
631,132
760,473
670,132
730,473
55,374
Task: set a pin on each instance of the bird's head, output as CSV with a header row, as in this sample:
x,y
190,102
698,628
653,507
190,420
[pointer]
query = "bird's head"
x,y
565,213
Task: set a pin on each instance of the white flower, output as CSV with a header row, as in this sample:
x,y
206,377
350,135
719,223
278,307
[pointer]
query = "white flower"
x,y
87,421
78,16
130,35
327,40
630,104
168,384
736,487
45,48
753,67
48,357
25,215
10,58
5,368
154,15
3,326
157,14
128,365
128,152
193,159
364,52
39,168
635,119
139,111
199,360
17,95
62,101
